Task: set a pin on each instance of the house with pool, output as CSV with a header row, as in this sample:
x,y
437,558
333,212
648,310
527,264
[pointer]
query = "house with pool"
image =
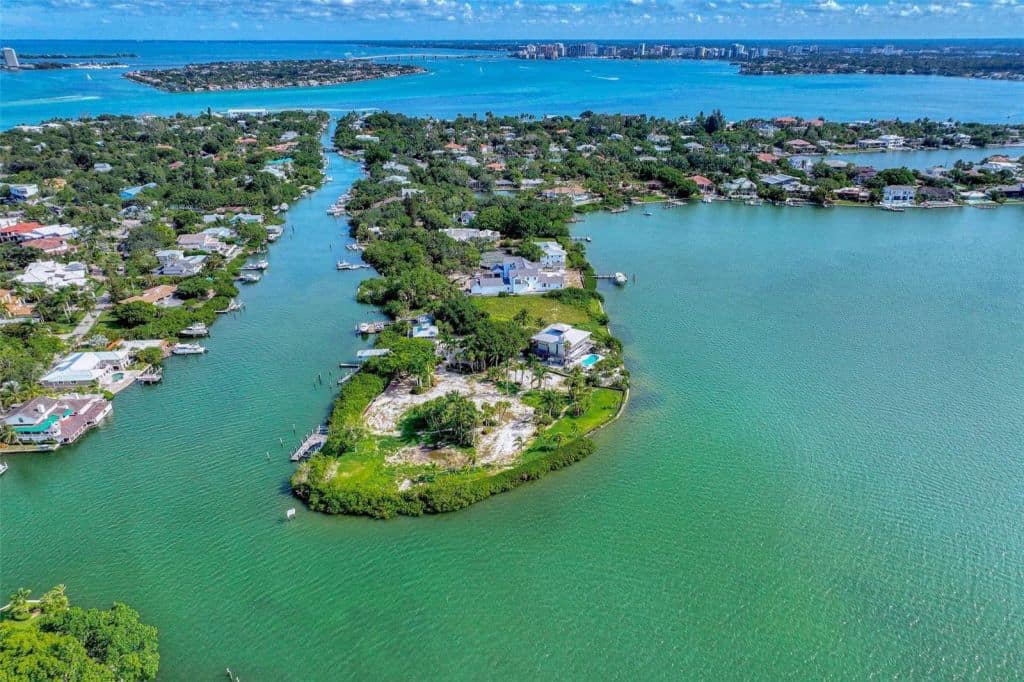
x,y
57,421
564,345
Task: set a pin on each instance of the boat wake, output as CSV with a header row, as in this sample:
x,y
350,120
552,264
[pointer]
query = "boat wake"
x,y
52,100
608,78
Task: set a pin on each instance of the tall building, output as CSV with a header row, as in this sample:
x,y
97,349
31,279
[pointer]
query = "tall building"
x,y
11,58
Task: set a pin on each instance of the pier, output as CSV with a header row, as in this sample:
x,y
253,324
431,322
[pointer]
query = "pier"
x,y
151,375
310,444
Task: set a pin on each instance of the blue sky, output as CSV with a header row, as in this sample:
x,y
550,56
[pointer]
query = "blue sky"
x,y
500,19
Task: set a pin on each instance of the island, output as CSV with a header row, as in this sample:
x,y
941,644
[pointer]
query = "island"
x,y
1000,61
49,639
299,73
122,240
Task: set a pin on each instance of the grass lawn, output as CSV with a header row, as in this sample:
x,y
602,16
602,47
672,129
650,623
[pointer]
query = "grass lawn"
x,y
603,407
504,308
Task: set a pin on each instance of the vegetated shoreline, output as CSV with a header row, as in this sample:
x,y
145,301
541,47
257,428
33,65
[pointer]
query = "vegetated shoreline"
x,y
443,491
268,75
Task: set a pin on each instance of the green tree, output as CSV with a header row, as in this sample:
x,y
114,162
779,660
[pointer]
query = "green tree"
x,y
114,637
55,601
135,313
27,653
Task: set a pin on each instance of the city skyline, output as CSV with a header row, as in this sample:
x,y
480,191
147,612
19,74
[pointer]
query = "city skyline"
x,y
512,19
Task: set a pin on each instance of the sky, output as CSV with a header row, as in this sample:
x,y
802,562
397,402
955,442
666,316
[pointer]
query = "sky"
x,y
508,19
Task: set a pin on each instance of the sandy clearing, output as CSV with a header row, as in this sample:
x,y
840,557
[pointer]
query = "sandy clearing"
x,y
500,445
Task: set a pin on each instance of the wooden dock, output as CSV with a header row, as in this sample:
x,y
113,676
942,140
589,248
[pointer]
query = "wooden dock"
x,y
151,375
310,444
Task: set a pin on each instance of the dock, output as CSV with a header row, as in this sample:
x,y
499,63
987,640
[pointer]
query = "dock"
x,y
151,375
375,327
310,444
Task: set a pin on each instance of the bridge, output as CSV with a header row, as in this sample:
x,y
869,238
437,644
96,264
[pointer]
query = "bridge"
x,y
418,56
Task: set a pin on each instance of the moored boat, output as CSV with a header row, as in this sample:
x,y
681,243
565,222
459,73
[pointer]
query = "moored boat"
x,y
249,277
620,278
256,265
188,349
345,265
196,329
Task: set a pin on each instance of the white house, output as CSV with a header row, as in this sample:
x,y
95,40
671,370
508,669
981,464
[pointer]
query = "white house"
x,y
898,195
554,254
891,141
85,368
54,275
561,343
58,231
102,167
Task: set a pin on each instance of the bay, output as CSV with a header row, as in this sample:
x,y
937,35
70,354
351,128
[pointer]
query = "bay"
x,y
819,473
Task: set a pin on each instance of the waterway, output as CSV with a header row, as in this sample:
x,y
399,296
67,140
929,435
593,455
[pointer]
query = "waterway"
x,y
819,474
500,85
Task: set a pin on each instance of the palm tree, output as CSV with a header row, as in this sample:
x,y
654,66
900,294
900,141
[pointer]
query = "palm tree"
x,y
8,436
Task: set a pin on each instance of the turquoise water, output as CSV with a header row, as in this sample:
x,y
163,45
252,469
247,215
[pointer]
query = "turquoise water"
x,y
818,476
500,85
926,158
591,359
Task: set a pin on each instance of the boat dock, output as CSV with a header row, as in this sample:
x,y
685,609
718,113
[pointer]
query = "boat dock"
x,y
310,444
151,375
375,327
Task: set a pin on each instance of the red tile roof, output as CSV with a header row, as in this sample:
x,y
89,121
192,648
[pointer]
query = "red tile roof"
x,y
19,228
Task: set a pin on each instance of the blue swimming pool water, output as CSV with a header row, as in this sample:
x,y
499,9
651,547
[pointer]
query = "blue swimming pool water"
x,y
590,360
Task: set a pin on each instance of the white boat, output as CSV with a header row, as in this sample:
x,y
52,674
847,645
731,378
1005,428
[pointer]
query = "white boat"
x,y
707,200
648,212
188,349
197,329
3,468
620,278
345,265
256,265
249,277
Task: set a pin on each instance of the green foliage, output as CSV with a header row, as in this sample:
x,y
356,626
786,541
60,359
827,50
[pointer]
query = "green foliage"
x,y
150,356
408,357
114,637
135,313
452,418
27,653
353,398
194,287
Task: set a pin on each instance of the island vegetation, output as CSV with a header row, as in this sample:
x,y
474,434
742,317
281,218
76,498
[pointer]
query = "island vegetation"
x,y
435,424
50,639
252,75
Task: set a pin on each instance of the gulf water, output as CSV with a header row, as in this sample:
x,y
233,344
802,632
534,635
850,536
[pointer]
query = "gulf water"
x,y
819,474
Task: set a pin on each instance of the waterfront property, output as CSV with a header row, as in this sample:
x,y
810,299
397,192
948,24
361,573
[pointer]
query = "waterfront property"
x,y
57,421
561,344
53,275
504,274
86,368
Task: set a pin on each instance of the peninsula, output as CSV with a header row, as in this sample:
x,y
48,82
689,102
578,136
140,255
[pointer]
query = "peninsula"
x,y
304,73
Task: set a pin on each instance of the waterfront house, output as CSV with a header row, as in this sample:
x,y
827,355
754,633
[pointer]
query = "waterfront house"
x,y
937,194
561,344
85,368
740,187
892,141
858,194
1009,191
703,184
898,195
256,218
54,275
554,255
23,192
221,233
58,420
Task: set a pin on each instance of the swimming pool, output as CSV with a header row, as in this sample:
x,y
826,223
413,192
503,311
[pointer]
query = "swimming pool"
x,y
590,360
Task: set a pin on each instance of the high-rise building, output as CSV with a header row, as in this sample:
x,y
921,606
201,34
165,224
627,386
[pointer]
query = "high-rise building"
x,y
11,58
